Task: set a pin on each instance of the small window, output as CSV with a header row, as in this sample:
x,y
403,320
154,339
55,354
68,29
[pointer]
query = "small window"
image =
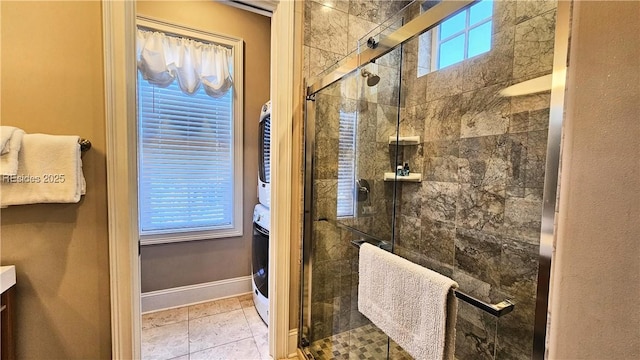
x,y
346,164
460,37
188,144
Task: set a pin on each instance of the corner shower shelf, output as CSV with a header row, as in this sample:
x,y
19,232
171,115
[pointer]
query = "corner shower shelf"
x,y
412,177
404,140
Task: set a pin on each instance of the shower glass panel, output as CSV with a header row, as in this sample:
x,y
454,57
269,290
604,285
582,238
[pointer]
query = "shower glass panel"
x,y
470,208
350,202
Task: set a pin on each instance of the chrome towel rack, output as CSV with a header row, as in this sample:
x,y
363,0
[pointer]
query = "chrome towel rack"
x,y
498,310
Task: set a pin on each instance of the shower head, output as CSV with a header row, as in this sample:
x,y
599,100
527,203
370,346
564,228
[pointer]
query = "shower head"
x,y
372,79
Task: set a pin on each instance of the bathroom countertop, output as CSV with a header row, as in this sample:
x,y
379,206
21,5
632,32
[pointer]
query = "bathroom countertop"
x,y
7,277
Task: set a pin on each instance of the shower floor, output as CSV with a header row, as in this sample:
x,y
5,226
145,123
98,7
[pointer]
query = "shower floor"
x,y
365,342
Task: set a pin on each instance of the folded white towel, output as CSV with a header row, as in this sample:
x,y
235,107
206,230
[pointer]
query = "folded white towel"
x,y
11,142
413,305
5,134
49,171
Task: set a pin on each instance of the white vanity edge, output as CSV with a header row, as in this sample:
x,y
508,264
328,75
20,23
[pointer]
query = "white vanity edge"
x,y
7,277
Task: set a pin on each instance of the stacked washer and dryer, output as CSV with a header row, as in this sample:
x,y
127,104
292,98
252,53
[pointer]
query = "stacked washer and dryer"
x,y
261,219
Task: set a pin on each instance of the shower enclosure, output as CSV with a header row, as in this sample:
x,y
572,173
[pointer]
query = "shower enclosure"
x,y
440,157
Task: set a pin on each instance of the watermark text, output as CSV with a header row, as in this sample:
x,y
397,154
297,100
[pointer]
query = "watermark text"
x,y
33,179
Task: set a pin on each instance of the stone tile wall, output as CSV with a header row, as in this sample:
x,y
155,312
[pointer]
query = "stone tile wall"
x,y
332,29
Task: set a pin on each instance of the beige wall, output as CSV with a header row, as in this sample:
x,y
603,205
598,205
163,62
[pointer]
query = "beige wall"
x,y
596,286
52,82
218,259
61,251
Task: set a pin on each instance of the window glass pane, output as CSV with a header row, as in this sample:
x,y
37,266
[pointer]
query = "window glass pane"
x,y
480,39
453,25
451,51
186,178
480,11
346,164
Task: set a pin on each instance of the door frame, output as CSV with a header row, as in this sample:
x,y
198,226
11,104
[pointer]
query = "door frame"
x,y
118,25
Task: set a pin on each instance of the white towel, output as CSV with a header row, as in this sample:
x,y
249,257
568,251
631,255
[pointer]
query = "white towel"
x,y
413,305
5,134
49,171
10,142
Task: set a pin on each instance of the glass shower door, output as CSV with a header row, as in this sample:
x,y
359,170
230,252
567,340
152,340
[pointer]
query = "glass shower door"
x,y
475,217
474,212
349,126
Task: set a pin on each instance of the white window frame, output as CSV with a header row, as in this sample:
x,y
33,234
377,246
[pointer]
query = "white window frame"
x,y
435,42
236,44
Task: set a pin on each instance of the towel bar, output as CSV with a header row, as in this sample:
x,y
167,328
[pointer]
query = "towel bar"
x,y
84,144
498,310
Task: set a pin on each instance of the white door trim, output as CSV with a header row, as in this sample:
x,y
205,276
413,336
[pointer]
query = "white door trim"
x,y
282,65
120,112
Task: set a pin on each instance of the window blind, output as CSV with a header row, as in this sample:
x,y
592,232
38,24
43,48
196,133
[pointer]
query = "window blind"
x,y
346,163
186,180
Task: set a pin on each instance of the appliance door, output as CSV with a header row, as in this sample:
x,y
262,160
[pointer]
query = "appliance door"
x,y
265,150
260,259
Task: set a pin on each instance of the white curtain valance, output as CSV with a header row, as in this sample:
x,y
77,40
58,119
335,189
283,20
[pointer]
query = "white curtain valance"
x,y
163,59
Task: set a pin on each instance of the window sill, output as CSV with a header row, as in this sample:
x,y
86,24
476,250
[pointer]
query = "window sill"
x,y
189,236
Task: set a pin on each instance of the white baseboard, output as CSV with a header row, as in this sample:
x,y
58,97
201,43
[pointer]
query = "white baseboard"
x,y
293,344
193,294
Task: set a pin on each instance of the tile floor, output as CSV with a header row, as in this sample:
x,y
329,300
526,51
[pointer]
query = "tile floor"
x,y
364,343
222,329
